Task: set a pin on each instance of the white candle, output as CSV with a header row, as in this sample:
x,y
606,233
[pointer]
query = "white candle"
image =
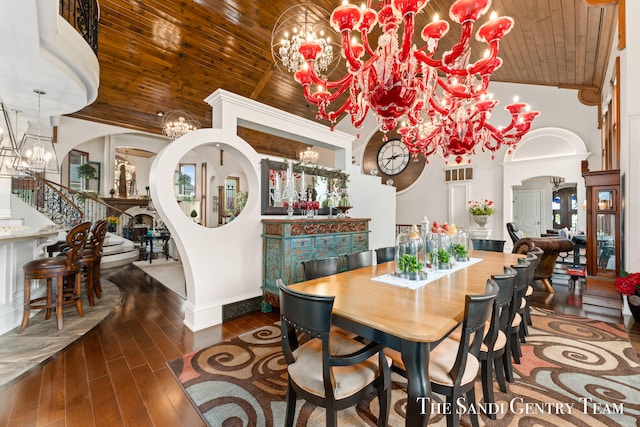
x,y
302,186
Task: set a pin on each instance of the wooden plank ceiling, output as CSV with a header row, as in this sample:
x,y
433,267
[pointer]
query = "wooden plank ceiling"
x,y
160,55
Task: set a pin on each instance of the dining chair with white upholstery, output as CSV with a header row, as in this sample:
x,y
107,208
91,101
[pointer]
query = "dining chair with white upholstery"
x,y
455,376
328,370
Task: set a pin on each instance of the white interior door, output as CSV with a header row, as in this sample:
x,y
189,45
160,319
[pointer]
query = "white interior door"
x,y
458,212
528,211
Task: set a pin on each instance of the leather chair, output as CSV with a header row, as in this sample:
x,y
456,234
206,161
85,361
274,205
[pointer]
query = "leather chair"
x,y
514,232
385,254
488,245
552,246
321,267
328,370
359,260
454,376
70,264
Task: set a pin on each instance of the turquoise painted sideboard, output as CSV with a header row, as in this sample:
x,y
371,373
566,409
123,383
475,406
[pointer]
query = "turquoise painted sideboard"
x,y
288,242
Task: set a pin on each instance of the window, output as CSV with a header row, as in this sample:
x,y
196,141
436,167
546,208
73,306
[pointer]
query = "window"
x,y
565,208
186,181
77,159
231,189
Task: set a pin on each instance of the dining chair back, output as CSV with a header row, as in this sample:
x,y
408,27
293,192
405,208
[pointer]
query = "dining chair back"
x,y
359,260
328,370
454,376
320,267
385,254
526,310
488,245
58,267
495,341
523,270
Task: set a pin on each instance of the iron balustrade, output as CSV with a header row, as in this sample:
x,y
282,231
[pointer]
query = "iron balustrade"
x,y
83,15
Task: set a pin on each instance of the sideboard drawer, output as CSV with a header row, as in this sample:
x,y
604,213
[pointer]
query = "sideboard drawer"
x,y
360,242
324,242
302,245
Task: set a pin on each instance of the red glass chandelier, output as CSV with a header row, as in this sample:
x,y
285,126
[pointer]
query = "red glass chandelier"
x,y
443,101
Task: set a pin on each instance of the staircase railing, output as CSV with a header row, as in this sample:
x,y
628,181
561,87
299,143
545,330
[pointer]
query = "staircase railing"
x,y
65,206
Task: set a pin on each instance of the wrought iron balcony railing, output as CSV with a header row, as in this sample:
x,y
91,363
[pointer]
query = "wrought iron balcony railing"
x,y
83,15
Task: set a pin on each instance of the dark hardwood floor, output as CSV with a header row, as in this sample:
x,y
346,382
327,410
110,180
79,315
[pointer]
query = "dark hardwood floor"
x,y
116,375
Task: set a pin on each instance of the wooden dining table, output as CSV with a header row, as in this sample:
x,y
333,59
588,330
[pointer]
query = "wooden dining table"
x,y
407,320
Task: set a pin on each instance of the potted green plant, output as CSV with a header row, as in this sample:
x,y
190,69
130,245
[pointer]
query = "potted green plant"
x,y
409,267
87,171
444,259
460,253
194,215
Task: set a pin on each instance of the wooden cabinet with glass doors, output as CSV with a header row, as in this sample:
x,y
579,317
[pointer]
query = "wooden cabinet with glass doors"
x,y
603,221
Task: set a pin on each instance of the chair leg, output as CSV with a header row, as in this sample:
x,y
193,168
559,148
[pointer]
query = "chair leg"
x,y
523,332
291,406
453,418
59,300
97,287
515,347
471,400
27,309
89,285
78,293
383,388
498,366
527,312
506,361
487,383
47,315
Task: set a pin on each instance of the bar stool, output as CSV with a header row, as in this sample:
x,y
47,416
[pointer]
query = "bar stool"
x,y
56,267
91,257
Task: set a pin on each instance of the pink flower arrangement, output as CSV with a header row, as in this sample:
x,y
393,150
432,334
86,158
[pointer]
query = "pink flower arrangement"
x,y
628,283
484,207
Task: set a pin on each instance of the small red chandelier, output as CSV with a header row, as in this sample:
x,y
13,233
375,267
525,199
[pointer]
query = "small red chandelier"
x,y
443,102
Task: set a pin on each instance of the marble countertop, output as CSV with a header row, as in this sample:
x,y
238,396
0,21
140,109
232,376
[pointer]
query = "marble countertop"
x,y
12,232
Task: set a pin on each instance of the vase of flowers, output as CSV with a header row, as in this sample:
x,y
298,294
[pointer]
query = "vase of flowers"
x,y
481,211
112,223
628,284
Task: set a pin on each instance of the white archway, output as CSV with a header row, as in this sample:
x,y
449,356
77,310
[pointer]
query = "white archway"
x,y
544,152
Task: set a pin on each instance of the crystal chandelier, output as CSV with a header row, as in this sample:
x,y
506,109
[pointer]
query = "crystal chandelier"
x,y
400,81
37,153
176,123
298,24
308,156
556,181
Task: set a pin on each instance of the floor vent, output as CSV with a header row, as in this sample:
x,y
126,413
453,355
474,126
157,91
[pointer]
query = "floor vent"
x,y
240,308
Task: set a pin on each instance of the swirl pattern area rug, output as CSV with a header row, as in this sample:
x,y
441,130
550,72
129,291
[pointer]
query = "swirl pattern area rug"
x,y
574,372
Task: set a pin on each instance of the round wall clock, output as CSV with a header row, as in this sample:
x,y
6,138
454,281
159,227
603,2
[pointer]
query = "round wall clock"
x,y
393,157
